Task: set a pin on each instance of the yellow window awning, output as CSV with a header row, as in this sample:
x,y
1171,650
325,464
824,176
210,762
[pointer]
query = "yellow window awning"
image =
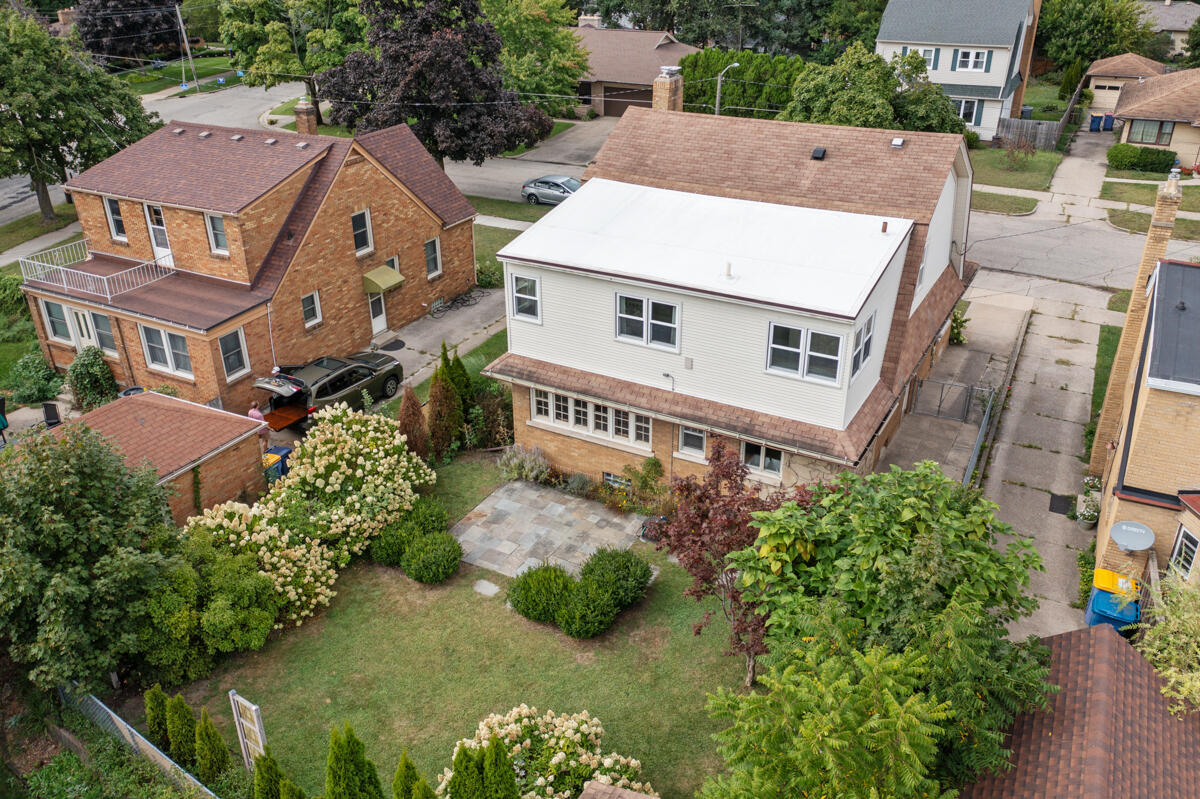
x,y
381,279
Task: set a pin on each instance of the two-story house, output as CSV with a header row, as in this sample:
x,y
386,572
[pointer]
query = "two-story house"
x,y
211,254
979,51
776,284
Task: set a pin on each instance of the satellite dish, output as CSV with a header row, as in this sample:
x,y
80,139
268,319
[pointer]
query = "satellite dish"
x,y
1131,536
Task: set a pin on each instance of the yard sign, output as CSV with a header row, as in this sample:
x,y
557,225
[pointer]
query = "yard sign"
x,y
247,718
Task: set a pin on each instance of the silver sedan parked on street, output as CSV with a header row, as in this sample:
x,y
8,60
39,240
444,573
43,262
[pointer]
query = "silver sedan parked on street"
x,y
549,190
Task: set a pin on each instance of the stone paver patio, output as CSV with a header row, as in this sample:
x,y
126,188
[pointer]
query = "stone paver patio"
x,y
522,524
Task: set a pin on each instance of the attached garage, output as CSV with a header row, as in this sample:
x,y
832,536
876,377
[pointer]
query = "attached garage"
x,y
623,63
616,100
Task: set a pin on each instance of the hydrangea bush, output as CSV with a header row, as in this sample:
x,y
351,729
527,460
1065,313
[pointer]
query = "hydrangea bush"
x,y
554,754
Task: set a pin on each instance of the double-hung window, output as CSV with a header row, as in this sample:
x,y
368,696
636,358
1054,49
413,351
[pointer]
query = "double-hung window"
x,y
166,350
926,53
360,225
761,458
562,408
527,303
56,321
785,349
216,234
433,257
824,352
972,60
1150,131
647,321
1184,556
104,333
691,440
233,354
541,403
808,353
862,345
965,110
116,224
310,307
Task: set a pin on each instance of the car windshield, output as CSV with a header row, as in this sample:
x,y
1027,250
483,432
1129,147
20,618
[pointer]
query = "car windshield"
x,y
572,184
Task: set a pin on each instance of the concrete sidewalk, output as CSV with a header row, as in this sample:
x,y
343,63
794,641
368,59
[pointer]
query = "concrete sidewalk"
x,y
499,221
42,242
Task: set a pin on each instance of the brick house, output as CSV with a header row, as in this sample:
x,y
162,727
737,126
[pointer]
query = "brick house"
x,y
211,254
755,280
202,455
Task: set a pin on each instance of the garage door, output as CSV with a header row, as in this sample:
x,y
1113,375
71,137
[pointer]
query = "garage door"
x,y
617,100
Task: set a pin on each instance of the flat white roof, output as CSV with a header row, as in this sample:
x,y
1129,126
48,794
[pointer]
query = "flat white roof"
x,y
815,260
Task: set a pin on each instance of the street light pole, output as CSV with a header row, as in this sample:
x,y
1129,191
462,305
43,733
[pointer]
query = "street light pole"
x,y
720,78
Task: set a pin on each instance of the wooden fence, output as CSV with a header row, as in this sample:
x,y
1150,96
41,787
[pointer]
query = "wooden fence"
x,y
1041,133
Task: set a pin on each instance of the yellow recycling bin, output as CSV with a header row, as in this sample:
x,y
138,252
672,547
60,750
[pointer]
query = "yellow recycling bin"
x,y
1113,583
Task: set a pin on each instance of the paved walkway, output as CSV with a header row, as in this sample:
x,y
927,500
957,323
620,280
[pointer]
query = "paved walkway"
x,y
522,524
499,221
42,242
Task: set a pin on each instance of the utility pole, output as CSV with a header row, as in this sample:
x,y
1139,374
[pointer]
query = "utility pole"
x,y
720,78
187,48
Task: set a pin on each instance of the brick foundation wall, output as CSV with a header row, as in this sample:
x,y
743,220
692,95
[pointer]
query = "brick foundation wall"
x,y
232,474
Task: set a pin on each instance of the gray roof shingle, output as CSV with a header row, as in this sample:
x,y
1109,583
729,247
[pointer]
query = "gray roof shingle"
x,y
1175,353
982,22
1178,16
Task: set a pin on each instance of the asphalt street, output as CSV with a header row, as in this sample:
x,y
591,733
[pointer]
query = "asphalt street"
x,y
17,199
236,107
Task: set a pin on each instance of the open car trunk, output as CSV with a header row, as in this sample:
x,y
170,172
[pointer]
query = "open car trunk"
x,y
288,403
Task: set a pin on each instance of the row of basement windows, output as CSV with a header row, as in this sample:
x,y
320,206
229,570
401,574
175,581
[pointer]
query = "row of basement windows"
x,y
627,426
364,244
790,350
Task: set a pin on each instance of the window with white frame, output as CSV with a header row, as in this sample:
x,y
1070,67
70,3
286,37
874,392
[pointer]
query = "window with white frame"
x,y
660,329
393,263
56,321
809,353
581,413
926,53
972,60
360,225
641,428
615,480
527,302
104,333
862,344
433,257
541,403
594,418
562,408
761,458
116,224
691,440
965,110
600,415
310,308
1184,555
824,354
620,423
785,348
233,354
216,234
165,350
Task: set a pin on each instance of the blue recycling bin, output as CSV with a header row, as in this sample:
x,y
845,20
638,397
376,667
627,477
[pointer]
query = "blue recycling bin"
x,y
279,468
1105,608
1108,121
1097,121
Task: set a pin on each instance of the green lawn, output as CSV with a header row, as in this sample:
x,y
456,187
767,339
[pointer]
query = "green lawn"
x,y
1119,301
1145,193
991,169
173,74
1133,174
465,482
325,130
491,349
508,209
29,227
1042,96
210,86
417,666
1106,350
1001,203
10,353
488,241
559,127
286,108
1137,222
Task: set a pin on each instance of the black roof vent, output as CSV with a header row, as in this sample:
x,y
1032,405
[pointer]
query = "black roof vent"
x,y
818,154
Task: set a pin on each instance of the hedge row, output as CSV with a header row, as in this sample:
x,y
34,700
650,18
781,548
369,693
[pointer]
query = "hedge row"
x,y
610,581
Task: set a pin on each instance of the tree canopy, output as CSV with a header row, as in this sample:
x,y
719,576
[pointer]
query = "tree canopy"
x,y
760,81
127,28
542,57
436,65
1091,29
61,111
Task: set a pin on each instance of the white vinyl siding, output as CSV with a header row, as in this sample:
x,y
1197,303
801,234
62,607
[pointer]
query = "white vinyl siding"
x,y
936,254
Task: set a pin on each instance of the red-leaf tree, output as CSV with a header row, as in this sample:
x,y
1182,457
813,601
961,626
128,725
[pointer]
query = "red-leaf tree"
x,y
711,519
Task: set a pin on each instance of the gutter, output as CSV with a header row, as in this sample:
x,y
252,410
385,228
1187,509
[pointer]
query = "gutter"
x,y
193,464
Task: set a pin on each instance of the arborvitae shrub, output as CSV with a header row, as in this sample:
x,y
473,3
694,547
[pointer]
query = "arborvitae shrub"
x,y
411,419
212,755
181,731
267,776
405,779
499,779
538,593
156,717
467,780
445,416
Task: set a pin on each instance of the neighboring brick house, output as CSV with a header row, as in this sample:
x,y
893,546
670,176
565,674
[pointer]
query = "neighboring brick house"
x,y
213,254
761,281
202,455
1163,111
622,64
978,50
1107,76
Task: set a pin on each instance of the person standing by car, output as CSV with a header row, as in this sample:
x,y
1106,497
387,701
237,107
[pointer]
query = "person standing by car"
x,y
257,415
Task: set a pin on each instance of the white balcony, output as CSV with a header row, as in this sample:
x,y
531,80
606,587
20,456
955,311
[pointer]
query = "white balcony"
x,y
76,270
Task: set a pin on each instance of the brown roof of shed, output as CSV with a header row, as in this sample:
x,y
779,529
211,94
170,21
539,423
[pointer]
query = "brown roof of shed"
x,y
846,445
1174,96
1108,732
622,55
166,433
217,172
402,154
1126,65
771,161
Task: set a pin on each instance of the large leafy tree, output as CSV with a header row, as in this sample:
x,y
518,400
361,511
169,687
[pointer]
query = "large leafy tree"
x,y
864,90
203,18
276,41
542,58
1191,54
128,28
1091,29
844,23
760,81
58,109
434,64
74,567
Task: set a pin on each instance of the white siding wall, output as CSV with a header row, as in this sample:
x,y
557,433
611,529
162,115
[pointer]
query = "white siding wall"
x,y
996,76
726,342
882,303
937,239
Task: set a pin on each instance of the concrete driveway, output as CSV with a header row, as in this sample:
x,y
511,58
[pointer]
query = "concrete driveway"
x,y
575,146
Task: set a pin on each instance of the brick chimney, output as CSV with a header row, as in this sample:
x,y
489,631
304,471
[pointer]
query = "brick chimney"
x,y
1166,204
668,90
306,118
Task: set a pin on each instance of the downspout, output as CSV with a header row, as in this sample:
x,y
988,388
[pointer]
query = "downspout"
x,y
271,336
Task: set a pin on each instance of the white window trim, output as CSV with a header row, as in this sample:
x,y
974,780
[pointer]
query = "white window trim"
x,y
968,119
212,238
1178,545
921,51
370,248
93,315
316,295
589,432
970,55
647,322
836,380
537,282
864,340
805,337
171,369
692,455
66,320
112,227
758,471
229,378
437,244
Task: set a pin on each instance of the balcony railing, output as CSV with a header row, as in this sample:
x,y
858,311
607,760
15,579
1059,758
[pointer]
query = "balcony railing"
x,y
54,267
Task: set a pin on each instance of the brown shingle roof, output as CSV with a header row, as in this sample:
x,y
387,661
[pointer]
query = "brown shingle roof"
x,y
1126,65
166,433
1175,96
213,173
846,445
771,161
621,55
1108,732
402,154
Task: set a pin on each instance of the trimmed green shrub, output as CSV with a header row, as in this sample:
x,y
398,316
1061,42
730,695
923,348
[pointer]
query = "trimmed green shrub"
x,y
405,779
12,301
467,780
156,717
389,546
348,772
267,776
588,611
1122,156
212,755
499,779
538,593
432,558
290,790
181,731
1153,159
445,415
90,379
427,517
422,791
32,380
624,575
972,139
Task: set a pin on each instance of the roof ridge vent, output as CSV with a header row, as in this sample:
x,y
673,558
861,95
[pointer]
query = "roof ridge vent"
x,y
270,141
301,145
177,131
205,134
898,142
236,137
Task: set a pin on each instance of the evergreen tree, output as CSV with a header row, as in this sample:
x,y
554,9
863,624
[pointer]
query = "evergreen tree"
x,y
348,772
290,790
444,360
499,778
181,731
267,776
422,791
467,780
369,786
406,778
462,382
156,717
212,755
411,419
445,416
